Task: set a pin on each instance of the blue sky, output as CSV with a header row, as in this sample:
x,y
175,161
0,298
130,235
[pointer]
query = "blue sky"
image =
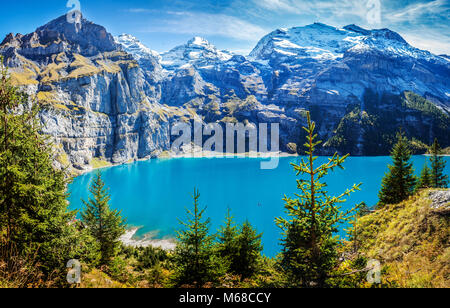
x,y
237,25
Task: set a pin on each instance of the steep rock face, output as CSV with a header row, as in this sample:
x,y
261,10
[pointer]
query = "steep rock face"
x,y
93,92
149,62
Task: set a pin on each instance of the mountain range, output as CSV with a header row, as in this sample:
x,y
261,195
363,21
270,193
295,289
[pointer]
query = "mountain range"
x,y
111,100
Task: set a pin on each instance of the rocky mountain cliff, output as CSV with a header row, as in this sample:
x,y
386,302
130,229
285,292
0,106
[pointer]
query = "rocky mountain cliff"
x,y
113,100
94,93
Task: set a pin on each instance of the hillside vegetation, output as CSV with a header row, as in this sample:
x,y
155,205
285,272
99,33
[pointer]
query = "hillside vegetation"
x,y
411,240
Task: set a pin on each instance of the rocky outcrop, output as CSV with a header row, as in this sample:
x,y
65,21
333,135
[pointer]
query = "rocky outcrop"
x,y
441,202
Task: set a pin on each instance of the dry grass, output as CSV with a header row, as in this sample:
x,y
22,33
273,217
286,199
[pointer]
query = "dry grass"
x,y
96,279
47,97
53,72
18,271
60,70
51,99
411,240
167,112
23,78
232,120
109,66
82,67
27,75
97,163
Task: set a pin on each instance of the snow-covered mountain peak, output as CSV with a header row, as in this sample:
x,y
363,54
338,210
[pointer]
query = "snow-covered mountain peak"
x,y
149,60
312,41
197,51
133,46
321,42
199,41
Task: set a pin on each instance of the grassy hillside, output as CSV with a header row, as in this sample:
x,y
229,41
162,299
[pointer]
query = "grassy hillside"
x,y
411,240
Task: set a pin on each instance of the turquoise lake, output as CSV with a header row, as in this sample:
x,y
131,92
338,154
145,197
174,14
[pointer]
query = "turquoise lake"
x,y
154,194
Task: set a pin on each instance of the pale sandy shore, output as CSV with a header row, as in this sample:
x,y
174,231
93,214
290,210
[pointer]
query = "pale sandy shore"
x,y
208,154
130,239
198,153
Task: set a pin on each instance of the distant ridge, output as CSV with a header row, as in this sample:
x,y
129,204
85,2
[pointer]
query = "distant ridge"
x,y
113,100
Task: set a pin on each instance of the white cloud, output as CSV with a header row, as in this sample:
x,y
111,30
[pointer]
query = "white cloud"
x,y
139,10
210,24
435,43
283,5
319,8
413,11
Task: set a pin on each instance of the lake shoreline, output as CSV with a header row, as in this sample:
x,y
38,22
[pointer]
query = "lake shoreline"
x,y
195,155
209,154
131,240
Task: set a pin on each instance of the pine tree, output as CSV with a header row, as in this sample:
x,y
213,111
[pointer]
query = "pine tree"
x,y
399,183
104,224
353,232
227,246
239,247
246,261
34,215
309,252
193,257
425,180
438,177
